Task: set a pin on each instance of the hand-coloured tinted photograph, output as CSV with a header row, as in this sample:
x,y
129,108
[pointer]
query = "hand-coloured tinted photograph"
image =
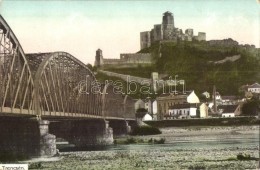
x,y
129,85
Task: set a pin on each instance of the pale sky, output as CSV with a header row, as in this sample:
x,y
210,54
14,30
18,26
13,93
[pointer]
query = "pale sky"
x,y
81,27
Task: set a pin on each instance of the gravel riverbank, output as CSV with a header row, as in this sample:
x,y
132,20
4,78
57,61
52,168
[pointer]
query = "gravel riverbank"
x,y
185,148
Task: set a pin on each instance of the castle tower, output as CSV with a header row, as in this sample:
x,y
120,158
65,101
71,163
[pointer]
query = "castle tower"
x,y
99,58
167,25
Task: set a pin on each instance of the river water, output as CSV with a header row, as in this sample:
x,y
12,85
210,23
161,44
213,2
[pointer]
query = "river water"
x,y
206,148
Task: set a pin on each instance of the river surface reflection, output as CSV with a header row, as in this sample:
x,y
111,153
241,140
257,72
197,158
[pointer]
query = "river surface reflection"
x,y
217,143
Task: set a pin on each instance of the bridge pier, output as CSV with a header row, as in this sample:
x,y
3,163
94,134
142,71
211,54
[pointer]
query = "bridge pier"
x,y
84,133
120,127
47,141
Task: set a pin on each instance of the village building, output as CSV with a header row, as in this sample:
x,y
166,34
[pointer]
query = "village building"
x,y
229,100
204,110
229,110
165,101
254,88
178,111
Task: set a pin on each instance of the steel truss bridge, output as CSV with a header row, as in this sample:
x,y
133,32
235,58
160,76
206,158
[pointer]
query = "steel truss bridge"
x,y
47,85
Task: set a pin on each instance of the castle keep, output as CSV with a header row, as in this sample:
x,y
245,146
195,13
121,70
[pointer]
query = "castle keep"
x,y
167,31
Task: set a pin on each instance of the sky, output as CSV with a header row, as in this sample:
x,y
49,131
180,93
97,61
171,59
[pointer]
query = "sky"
x,y
81,27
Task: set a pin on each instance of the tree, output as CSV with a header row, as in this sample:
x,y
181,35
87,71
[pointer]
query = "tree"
x,y
251,107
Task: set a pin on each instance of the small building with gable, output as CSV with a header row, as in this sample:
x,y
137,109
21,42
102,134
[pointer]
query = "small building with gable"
x,y
254,88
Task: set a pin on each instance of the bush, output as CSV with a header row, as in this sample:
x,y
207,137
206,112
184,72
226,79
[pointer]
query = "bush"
x,y
146,130
36,165
161,141
154,141
197,167
240,156
130,141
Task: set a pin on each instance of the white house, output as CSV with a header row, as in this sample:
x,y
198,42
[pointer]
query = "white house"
x,y
204,110
254,88
229,110
181,111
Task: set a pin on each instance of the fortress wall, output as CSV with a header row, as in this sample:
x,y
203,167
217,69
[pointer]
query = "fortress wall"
x,y
130,58
112,61
225,42
136,58
126,77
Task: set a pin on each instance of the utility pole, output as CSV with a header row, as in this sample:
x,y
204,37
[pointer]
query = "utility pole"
x,y
214,99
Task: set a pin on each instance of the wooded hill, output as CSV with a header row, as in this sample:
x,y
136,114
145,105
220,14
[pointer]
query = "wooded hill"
x,y
202,65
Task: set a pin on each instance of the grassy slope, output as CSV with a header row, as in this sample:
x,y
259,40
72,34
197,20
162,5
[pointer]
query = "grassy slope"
x,y
190,61
101,77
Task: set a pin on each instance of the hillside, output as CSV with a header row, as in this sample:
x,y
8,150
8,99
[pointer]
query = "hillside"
x,y
202,65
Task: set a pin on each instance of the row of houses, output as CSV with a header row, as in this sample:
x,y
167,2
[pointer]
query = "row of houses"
x,y
172,106
188,105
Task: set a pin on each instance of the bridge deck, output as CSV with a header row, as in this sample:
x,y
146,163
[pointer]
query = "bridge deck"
x,y
7,111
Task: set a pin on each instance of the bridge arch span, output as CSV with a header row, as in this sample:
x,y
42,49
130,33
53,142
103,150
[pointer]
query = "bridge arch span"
x,y
16,82
63,86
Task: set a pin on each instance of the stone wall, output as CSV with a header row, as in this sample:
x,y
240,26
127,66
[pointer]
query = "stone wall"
x,y
112,61
126,60
126,77
136,58
224,42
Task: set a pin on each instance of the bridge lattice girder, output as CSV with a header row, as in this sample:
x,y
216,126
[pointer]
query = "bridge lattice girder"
x,y
52,84
61,83
16,82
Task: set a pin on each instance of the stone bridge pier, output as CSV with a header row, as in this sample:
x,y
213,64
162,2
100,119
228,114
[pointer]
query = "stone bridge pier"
x,y
121,127
83,133
28,137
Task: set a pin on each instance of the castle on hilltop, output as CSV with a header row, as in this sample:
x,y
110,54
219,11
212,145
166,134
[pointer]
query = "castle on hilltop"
x,y
161,32
167,31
